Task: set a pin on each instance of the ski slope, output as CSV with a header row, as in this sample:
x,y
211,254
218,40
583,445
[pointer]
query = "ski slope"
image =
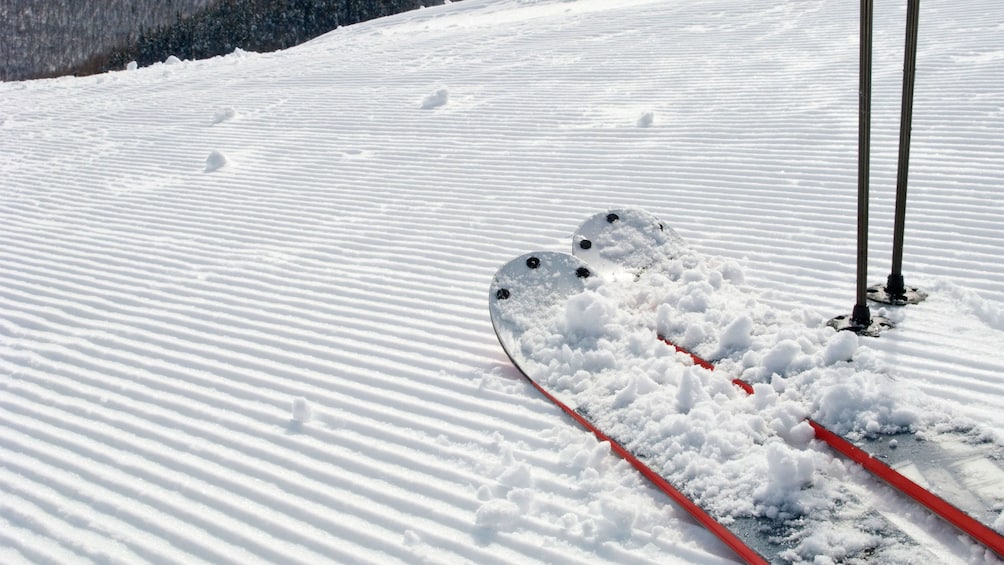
x,y
243,301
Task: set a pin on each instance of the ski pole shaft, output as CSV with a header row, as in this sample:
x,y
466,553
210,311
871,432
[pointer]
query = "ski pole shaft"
x,y
905,126
861,314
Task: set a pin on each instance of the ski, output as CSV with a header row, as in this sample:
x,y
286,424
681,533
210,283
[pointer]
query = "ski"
x,y
760,496
956,474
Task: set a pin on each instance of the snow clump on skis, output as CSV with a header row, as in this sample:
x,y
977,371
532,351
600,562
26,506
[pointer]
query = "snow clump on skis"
x,y
742,458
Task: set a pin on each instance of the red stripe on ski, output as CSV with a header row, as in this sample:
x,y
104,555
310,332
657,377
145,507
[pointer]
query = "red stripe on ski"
x,y
947,511
700,361
707,520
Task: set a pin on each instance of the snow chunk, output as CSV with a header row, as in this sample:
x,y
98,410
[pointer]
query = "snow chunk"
x,y
484,493
787,472
411,538
301,410
836,542
782,358
587,314
132,66
737,336
690,392
697,299
518,475
801,434
436,99
497,514
172,60
841,347
618,517
215,161
224,114
646,120
865,402
583,453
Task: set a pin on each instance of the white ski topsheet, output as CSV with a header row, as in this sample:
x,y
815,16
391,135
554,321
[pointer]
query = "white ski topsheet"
x,y
242,300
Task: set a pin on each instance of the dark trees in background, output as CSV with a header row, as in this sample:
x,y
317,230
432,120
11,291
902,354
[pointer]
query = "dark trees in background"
x,y
40,38
72,37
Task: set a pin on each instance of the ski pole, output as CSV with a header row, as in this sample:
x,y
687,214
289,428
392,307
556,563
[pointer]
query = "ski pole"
x,y
860,321
895,290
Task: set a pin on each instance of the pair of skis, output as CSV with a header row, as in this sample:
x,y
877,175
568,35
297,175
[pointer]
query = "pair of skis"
x,y
550,315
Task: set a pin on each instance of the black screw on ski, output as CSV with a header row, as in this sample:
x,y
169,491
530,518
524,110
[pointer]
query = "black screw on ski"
x,y
582,273
502,294
585,244
611,218
533,262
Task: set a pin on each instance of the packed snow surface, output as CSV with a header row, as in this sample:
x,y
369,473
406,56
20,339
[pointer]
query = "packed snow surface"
x,y
243,301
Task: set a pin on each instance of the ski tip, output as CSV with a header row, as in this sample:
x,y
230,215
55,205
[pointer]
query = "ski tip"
x,y
549,271
624,238
526,291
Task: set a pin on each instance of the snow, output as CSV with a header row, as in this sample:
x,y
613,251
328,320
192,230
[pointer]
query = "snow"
x,y
242,300
215,161
437,99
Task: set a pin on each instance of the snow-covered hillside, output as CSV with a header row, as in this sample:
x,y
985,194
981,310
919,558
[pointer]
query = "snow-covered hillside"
x,y
243,301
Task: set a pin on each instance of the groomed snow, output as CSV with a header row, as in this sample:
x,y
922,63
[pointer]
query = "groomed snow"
x,y
243,301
